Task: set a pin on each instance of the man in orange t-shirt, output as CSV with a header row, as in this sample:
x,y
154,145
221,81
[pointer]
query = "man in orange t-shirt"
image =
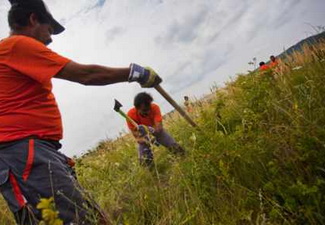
x,y
187,104
263,66
31,167
273,62
148,116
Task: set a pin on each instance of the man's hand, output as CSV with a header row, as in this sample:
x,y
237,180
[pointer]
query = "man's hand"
x,y
142,130
146,77
145,130
151,130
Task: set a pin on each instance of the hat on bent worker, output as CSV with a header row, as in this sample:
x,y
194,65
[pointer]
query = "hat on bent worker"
x,y
38,6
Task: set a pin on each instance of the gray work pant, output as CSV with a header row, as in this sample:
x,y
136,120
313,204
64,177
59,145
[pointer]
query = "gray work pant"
x,y
163,138
31,169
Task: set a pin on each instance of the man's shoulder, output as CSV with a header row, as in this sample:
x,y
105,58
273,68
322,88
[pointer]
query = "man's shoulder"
x,y
132,111
17,40
7,41
155,106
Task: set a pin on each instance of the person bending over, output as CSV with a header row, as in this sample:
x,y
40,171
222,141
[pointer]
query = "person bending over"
x,y
148,116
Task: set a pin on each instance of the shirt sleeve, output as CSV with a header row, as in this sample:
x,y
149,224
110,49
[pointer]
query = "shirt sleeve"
x,y
32,58
157,113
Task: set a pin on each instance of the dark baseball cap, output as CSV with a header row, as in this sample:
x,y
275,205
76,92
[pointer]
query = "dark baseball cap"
x,y
39,7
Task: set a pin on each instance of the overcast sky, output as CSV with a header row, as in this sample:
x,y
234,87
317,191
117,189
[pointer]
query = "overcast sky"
x,y
192,44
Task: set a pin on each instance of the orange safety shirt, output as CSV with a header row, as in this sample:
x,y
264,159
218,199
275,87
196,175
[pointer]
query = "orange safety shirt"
x,y
264,67
151,119
273,64
27,104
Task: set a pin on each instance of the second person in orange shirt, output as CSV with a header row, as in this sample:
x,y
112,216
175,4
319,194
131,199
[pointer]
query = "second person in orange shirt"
x,y
148,116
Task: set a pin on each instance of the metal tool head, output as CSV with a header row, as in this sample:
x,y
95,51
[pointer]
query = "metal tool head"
x,y
117,105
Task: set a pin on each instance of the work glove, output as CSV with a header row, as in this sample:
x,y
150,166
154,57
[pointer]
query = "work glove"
x,y
145,130
145,76
142,130
151,130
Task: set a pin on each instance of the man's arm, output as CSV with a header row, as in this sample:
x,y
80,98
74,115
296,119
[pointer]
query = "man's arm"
x,y
137,136
135,133
93,74
158,120
158,127
47,64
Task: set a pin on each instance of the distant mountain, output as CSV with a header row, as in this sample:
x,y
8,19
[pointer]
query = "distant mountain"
x,y
309,41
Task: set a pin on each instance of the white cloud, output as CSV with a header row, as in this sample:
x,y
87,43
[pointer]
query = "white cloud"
x,y
190,43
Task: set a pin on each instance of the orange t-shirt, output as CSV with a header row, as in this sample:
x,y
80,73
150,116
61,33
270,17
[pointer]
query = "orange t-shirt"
x,y
27,104
150,120
273,64
264,67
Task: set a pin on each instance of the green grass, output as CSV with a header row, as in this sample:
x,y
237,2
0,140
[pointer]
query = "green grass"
x,y
259,160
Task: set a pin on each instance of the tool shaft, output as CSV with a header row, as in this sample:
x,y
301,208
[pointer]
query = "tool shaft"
x,y
128,118
175,105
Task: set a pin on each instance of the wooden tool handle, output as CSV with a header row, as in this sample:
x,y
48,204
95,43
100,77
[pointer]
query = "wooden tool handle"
x,y
175,105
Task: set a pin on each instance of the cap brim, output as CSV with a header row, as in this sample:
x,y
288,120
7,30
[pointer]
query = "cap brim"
x,y
57,28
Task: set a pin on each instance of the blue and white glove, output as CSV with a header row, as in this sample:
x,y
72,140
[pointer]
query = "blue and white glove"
x,y
142,130
151,130
145,130
145,76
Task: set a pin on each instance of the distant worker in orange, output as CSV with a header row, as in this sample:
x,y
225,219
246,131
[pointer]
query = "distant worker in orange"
x,y
263,66
187,104
273,61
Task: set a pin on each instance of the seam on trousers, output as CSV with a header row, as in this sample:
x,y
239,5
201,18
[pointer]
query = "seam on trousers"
x,y
16,190
30,160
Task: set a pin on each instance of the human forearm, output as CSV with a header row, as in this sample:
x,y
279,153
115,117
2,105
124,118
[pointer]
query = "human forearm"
x,y
93,74
135,133
137,137
158,127
102,75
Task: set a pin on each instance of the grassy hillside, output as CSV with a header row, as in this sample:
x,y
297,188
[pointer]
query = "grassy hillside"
x,y
259,160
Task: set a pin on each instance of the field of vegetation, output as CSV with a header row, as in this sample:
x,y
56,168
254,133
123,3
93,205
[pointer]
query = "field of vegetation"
x,y
259,159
